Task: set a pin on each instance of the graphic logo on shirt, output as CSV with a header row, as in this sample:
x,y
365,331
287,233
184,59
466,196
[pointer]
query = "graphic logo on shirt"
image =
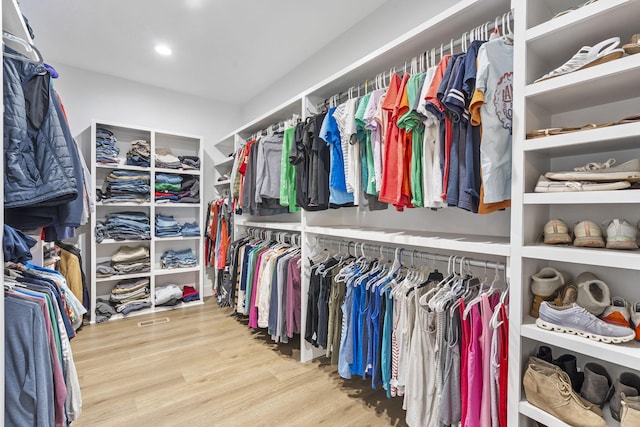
x,y
503,100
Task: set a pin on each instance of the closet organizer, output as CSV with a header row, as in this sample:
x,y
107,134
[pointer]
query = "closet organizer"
x,y
448,232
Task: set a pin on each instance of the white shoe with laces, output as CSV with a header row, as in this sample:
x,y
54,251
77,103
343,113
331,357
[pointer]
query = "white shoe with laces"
x,y
600,172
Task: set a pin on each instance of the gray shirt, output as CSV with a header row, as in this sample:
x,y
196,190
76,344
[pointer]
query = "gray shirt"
x,y
268,167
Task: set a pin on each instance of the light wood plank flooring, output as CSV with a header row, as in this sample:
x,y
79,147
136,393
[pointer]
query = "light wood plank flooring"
x,y
207,368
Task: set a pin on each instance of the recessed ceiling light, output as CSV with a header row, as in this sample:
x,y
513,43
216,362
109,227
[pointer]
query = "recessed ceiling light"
x,y
163,49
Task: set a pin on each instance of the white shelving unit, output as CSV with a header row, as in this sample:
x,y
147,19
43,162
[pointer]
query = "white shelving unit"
x,y
600,94
180,144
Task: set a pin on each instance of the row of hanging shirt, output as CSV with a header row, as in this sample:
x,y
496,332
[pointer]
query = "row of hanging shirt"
x,y
42,315
440,343
432,138
265,276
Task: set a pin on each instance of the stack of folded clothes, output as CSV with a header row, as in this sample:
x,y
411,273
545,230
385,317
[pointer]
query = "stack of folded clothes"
x,y
126,260
166,226
167,187
189,190
190,229
189,293
125,186
168,295
124,226
131,295
106,150
139,154
190,162
178,259
166,159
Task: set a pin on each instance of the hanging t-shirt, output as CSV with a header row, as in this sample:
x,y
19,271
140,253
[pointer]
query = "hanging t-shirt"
x,y
372,118
320,165
330,133
345,118
495,81
288,172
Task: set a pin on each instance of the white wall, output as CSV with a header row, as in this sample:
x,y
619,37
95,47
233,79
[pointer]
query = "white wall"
x,y
87,95
385,24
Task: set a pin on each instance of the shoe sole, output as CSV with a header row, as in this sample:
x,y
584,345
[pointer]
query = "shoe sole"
x,y
589,242
633,176
562,188
608,340
554,239
621,244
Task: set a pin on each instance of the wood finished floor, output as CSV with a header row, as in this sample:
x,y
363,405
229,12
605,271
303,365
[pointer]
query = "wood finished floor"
x,y
207,368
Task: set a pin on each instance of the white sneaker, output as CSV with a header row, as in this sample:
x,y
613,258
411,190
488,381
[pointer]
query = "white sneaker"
x,y
603,172
588,234
621,235
545,185
556,231
576,320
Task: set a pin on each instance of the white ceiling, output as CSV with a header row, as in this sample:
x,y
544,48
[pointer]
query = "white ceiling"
x,y
223,50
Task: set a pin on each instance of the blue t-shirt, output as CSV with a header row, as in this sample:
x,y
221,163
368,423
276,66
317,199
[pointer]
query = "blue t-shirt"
x,y
330,133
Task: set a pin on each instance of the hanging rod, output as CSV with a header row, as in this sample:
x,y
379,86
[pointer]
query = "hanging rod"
x,y
419,254
481,31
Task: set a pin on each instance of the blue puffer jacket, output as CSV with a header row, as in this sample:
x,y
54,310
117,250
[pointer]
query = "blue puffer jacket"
x,y
37,162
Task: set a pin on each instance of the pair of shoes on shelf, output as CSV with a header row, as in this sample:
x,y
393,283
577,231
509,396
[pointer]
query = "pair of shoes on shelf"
x,y
600,172
541,133
549,388
552,285
588,56
622,313
545,185
620,234
594,383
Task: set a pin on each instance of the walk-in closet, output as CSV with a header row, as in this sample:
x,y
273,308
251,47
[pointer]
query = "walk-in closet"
x,y
406,213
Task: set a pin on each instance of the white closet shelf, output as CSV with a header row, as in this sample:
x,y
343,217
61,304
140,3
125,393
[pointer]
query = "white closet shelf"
x,y
627,354
227,141
223,183
228,162
285,226
490,245
123,167
176,238
547,419
114,241
570,30
123,276
168,271
160,308
177,205
612,138
124,204
583,197
604,83
629,260
178,171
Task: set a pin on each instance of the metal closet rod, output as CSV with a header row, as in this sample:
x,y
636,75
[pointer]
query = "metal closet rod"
x,y
504,21
266,233
411,253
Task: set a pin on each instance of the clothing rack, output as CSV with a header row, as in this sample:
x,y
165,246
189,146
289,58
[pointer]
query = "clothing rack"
x,y
280,236
413,254
425,60
277,127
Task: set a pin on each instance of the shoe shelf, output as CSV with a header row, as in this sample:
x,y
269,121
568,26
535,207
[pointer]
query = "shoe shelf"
x,y
629,260
223,183
604,83
489,245
611,138
228,162
569,31
583,197
549,420
626,354
158,309
120,316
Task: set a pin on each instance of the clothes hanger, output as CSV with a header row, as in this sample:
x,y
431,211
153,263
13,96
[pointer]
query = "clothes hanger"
x,y
28,46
